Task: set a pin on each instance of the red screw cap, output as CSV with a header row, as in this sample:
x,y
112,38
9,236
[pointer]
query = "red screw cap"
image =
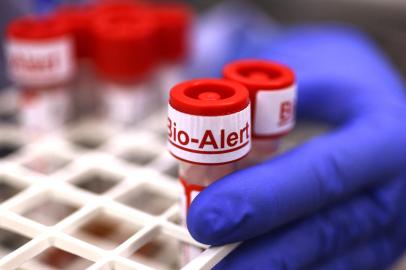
x,y
259,74
119,6
37,29
39,51
209,121
174,22
209,97
123,44
78,19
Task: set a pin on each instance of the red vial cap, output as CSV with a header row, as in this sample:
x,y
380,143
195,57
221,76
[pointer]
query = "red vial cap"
x,y
209,97
259,74
37,29
78,19
110,6
174,22
123,44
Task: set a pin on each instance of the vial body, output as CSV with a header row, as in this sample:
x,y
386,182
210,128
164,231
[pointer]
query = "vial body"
x,y
87,101
41,62
124,47
168,75
126,105
261,150
43,110
208,131
194,178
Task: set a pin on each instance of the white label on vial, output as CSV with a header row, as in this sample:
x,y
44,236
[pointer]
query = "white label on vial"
x,y
44,112
275,111
40,63
209,139
127,104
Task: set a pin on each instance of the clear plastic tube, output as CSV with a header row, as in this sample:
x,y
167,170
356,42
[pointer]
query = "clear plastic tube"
x,y
41,61
43,110
208,131
128,104
261,150
195,178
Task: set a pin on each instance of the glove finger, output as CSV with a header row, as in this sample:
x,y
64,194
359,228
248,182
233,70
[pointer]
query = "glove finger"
x,y
322,235
253,201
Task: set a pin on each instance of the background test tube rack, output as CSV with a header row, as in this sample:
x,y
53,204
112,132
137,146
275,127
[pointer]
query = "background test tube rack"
x,y
91,196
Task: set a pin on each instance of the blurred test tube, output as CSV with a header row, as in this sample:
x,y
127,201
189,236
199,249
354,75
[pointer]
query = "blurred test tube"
x,y
123,52
41,62
174,24
78,18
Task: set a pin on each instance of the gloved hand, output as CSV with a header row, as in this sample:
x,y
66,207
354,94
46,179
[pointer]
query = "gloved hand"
x,y
337,201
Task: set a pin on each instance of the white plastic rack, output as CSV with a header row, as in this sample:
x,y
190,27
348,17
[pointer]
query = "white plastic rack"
x,y
92,196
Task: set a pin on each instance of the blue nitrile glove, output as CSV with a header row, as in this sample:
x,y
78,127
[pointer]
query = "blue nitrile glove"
x,y
339,200
47,7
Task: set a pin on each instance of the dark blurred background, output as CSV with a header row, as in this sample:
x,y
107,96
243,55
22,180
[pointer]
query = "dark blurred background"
x,y
385,21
